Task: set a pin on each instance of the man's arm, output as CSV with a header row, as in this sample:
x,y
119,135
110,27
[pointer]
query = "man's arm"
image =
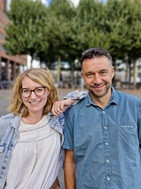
x,y
69,170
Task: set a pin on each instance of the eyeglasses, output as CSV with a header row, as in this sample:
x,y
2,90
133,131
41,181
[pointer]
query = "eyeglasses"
x,y
39,91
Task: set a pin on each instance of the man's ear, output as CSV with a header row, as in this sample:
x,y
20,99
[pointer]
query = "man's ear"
x,y
82,75
113,71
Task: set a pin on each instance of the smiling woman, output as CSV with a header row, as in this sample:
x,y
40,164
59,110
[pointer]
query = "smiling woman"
x,y
31,137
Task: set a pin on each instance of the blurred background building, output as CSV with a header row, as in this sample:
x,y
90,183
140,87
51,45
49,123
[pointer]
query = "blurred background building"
x,y
9,65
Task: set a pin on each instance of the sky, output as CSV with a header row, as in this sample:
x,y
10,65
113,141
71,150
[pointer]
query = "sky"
x,y
75,2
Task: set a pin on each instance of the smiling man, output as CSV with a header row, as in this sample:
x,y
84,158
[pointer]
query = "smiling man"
x,y
102,131
98,73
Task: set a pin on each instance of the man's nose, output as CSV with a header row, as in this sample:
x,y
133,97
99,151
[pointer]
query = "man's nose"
x,y
97,79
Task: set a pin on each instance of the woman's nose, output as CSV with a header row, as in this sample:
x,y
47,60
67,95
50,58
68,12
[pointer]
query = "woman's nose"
x,y
33,95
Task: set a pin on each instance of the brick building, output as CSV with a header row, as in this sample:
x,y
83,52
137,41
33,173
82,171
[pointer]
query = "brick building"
x,y
10,66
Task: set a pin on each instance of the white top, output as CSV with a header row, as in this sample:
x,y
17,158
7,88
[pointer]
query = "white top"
x,y
35,159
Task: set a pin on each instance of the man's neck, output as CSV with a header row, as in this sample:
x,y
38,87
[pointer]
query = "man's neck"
x,y
102,101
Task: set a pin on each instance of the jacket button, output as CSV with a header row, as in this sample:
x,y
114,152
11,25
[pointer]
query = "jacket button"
x,y
3,167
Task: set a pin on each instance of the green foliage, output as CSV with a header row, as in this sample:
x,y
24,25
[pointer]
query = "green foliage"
x,y
25,32
122,26
64,31
60,14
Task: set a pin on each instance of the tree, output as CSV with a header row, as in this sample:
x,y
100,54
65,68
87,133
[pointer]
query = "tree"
x,y
60,14
25,32
122,26
134,34
90,17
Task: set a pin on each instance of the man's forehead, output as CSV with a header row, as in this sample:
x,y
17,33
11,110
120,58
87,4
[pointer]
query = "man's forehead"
x,y
98,61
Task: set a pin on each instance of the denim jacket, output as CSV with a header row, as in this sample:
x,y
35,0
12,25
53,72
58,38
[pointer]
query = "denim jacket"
x,y
9,136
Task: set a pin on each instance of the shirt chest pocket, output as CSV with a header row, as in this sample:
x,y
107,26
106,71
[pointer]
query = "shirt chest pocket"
x,y
127,128
125,133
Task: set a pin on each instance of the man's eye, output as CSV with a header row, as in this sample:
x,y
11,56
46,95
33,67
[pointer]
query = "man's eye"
x,y
89,75
103,72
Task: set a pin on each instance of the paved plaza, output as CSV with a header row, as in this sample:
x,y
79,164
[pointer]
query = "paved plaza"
x,y
5,101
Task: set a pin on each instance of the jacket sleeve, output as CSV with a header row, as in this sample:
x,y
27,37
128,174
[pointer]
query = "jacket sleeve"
x,y
76,95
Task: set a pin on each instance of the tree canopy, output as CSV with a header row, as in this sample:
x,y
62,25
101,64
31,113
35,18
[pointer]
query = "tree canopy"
x,y
25,32
62,31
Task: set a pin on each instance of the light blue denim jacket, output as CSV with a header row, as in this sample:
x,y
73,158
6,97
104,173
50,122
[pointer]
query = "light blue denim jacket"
x,y
9,135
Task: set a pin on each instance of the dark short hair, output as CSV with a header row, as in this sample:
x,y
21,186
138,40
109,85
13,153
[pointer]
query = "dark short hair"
x,y
95,52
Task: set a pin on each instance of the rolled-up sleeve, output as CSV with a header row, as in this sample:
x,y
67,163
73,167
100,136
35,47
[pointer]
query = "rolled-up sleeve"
x,y
68,131
76,95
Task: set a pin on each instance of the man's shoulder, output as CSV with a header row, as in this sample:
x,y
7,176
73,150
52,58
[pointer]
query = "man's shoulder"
x,y
127,95
130,98
78,105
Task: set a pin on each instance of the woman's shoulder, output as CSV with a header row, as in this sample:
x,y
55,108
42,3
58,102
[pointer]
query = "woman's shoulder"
x,y
5,122
7,117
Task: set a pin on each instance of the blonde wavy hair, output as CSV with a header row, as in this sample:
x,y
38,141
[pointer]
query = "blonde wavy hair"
x,y
41,76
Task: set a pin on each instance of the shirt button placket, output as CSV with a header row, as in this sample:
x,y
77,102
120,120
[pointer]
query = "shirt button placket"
x,y
107,148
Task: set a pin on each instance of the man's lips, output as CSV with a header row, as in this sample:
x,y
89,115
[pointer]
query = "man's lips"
x,y
98,86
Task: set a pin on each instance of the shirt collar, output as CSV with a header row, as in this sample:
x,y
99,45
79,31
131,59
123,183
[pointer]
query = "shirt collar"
x,y
113,99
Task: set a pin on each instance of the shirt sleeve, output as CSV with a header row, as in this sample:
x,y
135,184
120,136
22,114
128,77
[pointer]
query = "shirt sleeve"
x,y
68,131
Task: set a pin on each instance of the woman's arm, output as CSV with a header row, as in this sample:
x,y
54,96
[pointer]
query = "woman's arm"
x,y
70,99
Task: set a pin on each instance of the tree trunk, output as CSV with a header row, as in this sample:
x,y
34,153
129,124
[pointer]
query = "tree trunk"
x,y
127,72
134,73
31,61
129,62
72,75
59,70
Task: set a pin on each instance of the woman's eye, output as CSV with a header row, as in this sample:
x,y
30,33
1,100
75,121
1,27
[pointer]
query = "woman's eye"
x,y
26,91
39,89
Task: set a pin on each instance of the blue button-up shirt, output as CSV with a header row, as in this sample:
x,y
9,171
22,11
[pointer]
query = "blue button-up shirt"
x,y
105,142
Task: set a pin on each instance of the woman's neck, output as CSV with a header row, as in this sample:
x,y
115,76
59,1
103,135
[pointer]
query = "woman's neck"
x,y
32,118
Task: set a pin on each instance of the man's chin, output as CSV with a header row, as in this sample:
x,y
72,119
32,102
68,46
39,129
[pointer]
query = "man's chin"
x,y
98,93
